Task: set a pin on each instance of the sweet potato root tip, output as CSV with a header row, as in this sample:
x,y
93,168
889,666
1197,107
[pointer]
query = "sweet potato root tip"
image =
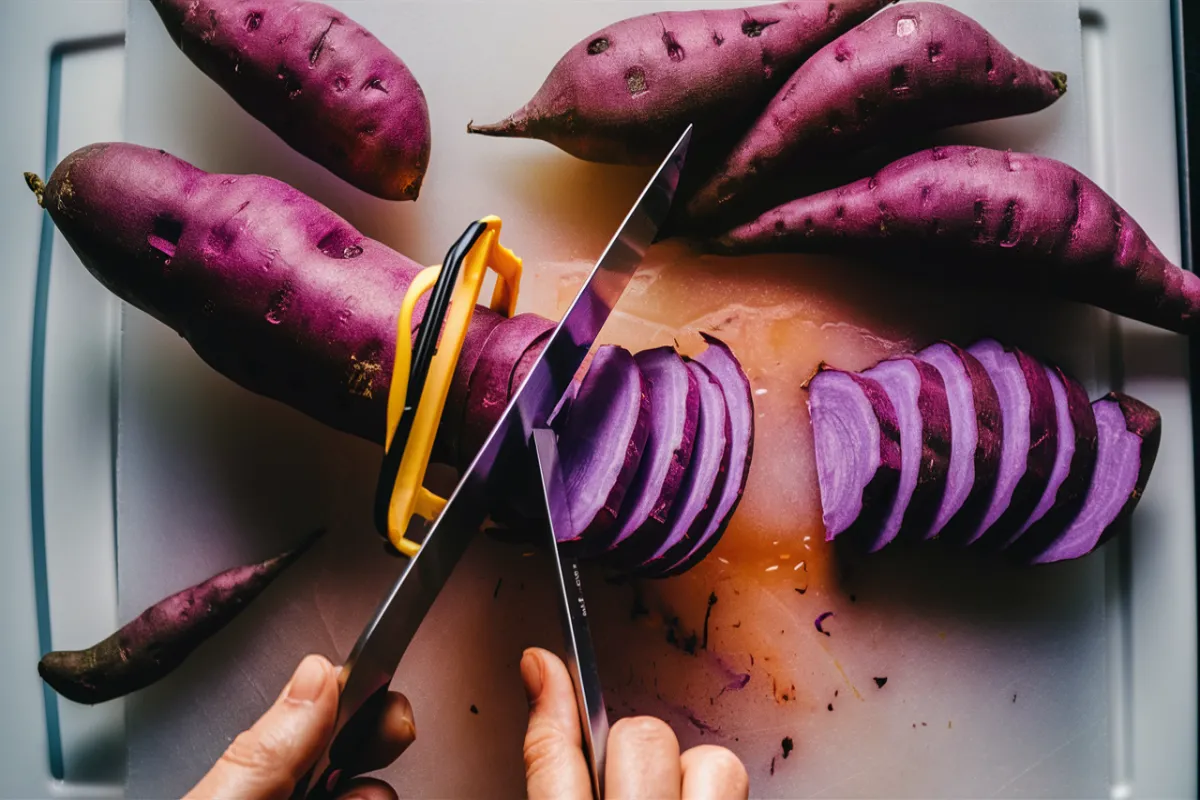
x,y
162,637
37,186
509,127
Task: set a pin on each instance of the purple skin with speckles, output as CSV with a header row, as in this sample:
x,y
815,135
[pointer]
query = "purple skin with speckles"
x,y
624,94
918,395
910,69
1128,435
161,637
1028,221
856,439
318,80
270,288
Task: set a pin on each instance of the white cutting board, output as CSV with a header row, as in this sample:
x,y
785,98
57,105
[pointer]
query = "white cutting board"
x,y
996,679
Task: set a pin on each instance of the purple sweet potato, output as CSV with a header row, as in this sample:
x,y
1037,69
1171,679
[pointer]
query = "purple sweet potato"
x,y
491,383
318,80
161,637
1128,435
918,395
673,391
1073,468
976,432
624,94
703,482
270,288
1054,476
1029,443
723,365
856,439
602,442
1025,220
456,398
910,69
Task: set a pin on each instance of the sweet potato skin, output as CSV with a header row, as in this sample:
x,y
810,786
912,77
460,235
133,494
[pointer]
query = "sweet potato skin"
x,y
1029,220
318,80
270,288
910,69
624,94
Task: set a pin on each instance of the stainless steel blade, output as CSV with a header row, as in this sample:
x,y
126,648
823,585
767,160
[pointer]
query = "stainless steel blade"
x,y
581,654
372,663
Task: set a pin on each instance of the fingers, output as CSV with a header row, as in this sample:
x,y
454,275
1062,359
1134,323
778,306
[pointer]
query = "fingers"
x,y
267,760
643,760
713,773
554,765
396,732
368,789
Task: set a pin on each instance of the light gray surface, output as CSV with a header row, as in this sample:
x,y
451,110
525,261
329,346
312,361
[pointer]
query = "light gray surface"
x,y
212,476
78,442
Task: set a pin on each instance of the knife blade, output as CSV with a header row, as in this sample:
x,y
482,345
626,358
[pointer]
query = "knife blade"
x,y
372,662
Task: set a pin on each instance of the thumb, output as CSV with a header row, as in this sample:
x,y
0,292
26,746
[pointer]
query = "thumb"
x,y
554,765
265,761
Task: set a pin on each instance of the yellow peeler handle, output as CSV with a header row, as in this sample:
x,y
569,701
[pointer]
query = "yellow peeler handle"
x,y
409,496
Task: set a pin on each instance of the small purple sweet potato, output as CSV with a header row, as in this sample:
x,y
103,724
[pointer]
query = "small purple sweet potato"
x,y
910,69
270,288
318,80
149,647
624,94
1128,435
1025,220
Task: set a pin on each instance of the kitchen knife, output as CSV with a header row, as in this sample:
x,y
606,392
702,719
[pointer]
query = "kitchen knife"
x,y
372,663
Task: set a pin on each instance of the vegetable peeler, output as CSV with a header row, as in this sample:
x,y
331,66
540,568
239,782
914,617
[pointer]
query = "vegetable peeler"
x,y
521,440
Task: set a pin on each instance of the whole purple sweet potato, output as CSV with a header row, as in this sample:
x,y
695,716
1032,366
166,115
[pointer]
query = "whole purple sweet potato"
x,y
271,288
624,94
320,81
1027,220
911,69
160,638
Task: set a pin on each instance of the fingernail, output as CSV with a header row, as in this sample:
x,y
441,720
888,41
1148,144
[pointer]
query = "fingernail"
x,y
309,680
531,675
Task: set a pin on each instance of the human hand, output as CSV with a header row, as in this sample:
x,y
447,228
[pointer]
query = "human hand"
x,y
643,758
266,761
